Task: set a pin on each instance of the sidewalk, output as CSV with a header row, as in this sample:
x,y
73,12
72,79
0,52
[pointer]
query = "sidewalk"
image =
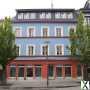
x,y
43,83
40,84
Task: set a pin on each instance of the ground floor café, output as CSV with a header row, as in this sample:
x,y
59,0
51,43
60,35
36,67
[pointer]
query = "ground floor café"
x,y
38,69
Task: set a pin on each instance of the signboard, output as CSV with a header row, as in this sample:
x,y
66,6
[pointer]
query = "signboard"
x,y
84,85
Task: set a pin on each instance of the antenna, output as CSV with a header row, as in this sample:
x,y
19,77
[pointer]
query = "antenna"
x,y
51,4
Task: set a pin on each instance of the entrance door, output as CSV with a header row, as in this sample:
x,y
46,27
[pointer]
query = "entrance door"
x,y
29,72
51,71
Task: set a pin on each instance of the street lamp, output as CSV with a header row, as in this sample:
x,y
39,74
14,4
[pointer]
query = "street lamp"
x,y
47,42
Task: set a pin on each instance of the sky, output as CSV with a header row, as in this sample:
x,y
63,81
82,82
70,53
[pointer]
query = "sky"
x,y
7,7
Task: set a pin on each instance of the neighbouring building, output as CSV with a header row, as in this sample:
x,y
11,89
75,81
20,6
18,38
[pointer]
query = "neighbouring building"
x,y
42,37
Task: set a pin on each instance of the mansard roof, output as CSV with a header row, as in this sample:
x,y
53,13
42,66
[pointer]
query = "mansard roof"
x,y
45,10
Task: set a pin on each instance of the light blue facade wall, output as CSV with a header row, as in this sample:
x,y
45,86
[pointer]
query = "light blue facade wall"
x,y
40,41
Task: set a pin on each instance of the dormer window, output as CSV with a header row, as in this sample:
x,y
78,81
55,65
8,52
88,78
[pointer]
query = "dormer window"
x,y
44,15
20,15
58,15
32,15
70,16
26,15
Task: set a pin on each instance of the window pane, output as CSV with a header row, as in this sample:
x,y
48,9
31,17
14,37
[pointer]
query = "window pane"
x,y
20,15
42,15
21,71
26,15
50,70
58,32
32,15
45,50
68,70
78,70
12,72
38,70
59,50
31,48
48,15
45,32
31,32
59,70
29,71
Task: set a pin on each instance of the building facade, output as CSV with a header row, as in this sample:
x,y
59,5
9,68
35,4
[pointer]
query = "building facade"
x,y
42,38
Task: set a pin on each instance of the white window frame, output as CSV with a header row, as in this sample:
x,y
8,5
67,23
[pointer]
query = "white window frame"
x,y
33,31
27,49
71,26
56,48
14,29
42,30
19,49
62,33
42,49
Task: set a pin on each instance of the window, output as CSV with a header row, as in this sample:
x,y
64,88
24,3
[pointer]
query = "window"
x,y
67,70
26,15
29,71
31,31
45,32
17,50
79,70
32,15
20,15
59,70
64,15
12,70
48,15
44,15
70,15
58,15
59,50
58,32
21,71
71,29
31,50
17,32
38,70
50,70
45,50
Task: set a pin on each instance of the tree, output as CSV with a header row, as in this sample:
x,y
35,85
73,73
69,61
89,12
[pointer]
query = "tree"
x,y
80,43
7,45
